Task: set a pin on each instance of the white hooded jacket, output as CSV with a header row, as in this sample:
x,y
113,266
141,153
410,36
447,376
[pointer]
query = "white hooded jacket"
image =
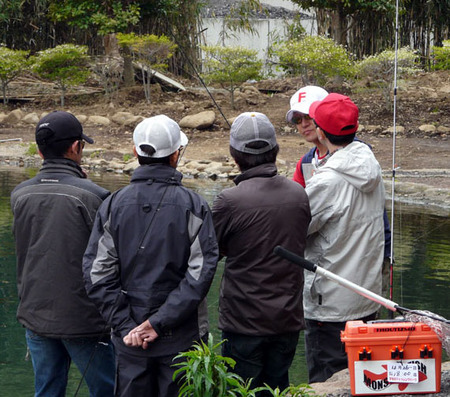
x,y
346,234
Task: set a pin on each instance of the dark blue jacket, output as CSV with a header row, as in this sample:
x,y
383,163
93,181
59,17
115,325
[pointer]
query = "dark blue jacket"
x,y
152,256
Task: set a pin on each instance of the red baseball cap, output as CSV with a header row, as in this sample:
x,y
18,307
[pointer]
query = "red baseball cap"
x,y
335,114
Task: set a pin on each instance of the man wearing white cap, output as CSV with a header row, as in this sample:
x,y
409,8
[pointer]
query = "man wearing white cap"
x,y
150,263
260,307
298,115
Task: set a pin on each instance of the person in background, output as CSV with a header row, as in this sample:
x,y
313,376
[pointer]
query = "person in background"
x,y
260,306
298,115
150,262
345,236
53,216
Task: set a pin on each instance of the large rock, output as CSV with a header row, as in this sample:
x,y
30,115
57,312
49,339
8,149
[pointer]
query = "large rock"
x,y
200,121
122,118
99,120
31,118
14,116
428,128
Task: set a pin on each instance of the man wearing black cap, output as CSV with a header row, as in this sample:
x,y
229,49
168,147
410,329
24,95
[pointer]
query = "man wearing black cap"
x,y
345,236
260,307
53,216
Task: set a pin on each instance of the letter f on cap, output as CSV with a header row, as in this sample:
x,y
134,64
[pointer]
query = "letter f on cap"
x,y
301,95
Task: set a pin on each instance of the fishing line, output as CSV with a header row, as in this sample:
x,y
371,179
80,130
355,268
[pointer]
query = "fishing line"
x,y
200,78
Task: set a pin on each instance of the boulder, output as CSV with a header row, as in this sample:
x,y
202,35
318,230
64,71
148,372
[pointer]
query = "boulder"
x,y
14,116
98,120
122,118
428,128
81,118
398,129
199,121
31,118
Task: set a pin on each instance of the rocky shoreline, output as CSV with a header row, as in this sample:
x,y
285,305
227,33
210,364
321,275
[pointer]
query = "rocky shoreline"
x,y
114,159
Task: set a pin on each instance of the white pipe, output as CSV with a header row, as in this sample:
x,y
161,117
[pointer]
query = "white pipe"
x,y
388,304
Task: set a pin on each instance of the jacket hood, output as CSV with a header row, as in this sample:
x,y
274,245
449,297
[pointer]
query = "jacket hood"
x,y
357,165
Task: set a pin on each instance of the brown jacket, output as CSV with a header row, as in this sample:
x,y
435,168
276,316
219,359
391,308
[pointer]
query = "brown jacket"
x,y
261,294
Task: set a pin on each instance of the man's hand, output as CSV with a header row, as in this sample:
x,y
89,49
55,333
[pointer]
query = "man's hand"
x,y
141,336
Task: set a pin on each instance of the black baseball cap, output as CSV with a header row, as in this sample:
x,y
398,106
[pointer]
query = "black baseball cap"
x,y
59,126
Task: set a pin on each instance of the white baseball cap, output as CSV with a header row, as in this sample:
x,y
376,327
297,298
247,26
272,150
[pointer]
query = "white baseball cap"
x,y
303,98
161,133
252,127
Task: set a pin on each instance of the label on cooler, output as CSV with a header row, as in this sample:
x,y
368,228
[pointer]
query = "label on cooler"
x,y
403,373
371,377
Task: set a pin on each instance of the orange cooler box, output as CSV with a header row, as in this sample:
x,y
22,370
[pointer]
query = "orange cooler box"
x,y
376,347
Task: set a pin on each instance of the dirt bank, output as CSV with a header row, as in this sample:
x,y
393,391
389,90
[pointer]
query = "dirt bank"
x,y
422,155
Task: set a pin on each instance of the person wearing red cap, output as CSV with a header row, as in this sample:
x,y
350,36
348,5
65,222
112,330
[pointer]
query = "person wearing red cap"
x,y
345,236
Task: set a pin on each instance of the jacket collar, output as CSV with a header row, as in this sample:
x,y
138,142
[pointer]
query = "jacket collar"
x,y
63,165
157,172
267,170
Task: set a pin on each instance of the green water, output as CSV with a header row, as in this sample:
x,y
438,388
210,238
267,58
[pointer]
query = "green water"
x,y
421,277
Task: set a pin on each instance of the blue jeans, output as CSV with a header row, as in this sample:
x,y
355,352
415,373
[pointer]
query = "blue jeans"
x,y
52,357
266,359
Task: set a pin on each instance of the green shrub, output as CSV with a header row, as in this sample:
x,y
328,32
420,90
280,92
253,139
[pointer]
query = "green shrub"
x,y
32,149
379,69
66,65
12,62
127,157
150,51
315,58
230,66
441,57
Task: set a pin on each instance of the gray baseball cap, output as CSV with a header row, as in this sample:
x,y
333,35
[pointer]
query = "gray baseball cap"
x,y
161,133
252,127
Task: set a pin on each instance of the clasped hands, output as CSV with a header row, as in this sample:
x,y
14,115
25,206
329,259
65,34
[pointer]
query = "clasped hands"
x,y
141,336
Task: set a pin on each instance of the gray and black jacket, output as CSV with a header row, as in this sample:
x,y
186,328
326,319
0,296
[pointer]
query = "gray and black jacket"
x,y
152,256
53,216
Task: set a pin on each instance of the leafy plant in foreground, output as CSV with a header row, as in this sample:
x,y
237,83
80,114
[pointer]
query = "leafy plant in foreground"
x,y
204,373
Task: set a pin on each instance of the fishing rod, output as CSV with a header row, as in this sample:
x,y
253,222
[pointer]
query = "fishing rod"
x,y
387,303
394,166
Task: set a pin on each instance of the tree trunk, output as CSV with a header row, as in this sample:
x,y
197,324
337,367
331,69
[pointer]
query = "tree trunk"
x,y
128,69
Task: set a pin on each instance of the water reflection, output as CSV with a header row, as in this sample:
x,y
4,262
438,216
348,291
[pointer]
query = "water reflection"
x,y
421,276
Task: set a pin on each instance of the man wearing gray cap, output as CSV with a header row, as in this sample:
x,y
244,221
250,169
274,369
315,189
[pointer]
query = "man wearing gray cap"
x,y
150,263
260,307
53,215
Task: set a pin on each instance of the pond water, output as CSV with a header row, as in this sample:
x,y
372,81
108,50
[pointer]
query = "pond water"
x,y
421,277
